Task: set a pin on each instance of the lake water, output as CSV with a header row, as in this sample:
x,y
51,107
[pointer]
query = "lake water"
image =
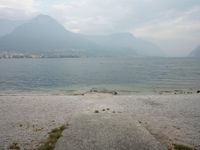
x,y
122,74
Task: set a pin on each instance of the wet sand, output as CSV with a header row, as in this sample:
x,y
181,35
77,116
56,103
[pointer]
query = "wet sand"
x,y
27,119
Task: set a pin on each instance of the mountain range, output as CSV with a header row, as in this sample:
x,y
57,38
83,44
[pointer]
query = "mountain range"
x,y
43,35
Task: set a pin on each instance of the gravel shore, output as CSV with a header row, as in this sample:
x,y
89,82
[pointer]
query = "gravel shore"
x,y
27,119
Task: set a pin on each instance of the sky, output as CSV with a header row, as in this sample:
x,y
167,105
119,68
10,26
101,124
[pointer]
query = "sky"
x,y
174,25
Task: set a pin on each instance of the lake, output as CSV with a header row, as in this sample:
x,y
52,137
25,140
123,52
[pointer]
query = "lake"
x,y
121,74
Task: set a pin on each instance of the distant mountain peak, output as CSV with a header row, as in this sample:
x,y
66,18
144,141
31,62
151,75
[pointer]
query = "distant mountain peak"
x,y
43,15
123,34
41,25
43,18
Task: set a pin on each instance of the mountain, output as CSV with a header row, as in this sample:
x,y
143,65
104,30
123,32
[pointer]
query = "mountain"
x,y
43,35
195,52
126,43
6,26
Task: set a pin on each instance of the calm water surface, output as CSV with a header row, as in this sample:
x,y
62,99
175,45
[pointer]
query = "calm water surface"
x,y
125,74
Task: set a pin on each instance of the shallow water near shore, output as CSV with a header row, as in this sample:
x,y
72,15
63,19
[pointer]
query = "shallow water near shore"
x,y
134,75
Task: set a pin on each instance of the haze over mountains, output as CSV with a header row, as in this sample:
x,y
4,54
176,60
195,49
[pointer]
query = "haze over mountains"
x,y
127,43
45,36
7,26
195,52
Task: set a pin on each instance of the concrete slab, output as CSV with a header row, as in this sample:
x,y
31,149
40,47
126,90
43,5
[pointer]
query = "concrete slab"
x,y
106,131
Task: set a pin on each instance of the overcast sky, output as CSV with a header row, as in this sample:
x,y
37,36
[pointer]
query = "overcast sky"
x,y
174,25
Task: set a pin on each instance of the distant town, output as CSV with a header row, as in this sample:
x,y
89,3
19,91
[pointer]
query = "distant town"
x,y
7,55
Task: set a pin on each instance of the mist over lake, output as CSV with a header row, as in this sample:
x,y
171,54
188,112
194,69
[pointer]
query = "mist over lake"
x,y
122,74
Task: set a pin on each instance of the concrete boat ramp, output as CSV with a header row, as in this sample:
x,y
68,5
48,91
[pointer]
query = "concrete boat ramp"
x,y
106,131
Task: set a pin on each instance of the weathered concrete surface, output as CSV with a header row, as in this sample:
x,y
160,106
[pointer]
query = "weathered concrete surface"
x,y
106,131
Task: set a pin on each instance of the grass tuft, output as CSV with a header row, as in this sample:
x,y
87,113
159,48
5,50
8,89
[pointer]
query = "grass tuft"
x,y
14,146
54,135
182,147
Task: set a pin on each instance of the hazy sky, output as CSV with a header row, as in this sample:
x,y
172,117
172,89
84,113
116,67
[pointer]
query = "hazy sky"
x,y
174,25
